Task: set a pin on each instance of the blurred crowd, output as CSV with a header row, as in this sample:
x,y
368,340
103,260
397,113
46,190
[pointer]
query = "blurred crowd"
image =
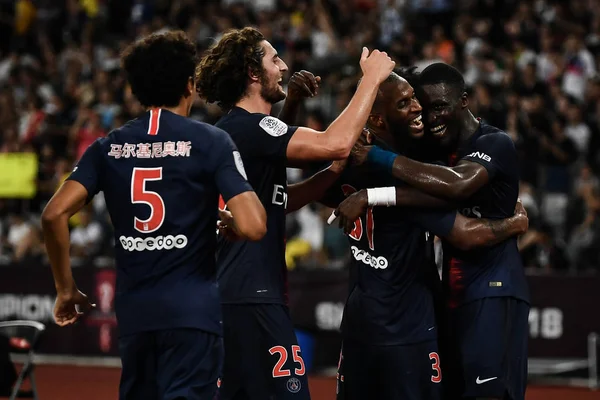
x,y
531,69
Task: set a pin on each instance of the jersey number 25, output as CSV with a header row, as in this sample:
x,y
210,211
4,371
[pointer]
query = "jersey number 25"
x,y
357,232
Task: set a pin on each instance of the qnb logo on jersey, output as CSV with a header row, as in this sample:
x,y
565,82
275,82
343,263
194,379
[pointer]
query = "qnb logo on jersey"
x,y
280,196
153,243
481,156
366,258
473,212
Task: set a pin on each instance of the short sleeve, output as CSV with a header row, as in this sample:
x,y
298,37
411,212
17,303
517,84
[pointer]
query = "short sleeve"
x,y
264,136
493,151
440,223
88,169
230,175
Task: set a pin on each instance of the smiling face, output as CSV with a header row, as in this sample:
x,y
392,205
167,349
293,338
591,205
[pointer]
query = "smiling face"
x,y
403,110
271,77
443,105
396,115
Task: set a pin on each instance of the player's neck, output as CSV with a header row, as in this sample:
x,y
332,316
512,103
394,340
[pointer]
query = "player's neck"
x,y
469,126
180,109
255,103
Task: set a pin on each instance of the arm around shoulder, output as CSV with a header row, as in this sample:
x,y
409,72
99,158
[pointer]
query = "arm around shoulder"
x,y
470,233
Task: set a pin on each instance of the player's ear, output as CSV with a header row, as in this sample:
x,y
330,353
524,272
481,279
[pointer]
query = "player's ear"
x,y
464,100
191,87
254,75
376,120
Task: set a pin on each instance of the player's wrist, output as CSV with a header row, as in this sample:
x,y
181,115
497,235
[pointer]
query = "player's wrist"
x,y
385,196
381,158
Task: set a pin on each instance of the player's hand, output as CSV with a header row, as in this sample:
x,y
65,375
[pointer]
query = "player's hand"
x,y
351,209
359,153
303,84
70,306
377,66
338,166
521,217
225,226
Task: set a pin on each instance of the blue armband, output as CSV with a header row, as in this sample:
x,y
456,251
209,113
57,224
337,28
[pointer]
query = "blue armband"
x,y
381,158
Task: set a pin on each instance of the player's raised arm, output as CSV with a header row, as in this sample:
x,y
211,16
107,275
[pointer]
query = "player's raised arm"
x,y
337,140
302,85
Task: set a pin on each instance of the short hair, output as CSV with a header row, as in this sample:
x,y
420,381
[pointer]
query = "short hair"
x,y
443,73
222,75
159,66
410,74
406,73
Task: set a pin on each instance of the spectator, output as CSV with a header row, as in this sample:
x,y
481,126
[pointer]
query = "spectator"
x,y
23,237
530,69
86,237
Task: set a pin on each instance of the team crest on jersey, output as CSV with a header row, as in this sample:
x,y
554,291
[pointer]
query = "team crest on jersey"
x,y
294,385
273,126
237,158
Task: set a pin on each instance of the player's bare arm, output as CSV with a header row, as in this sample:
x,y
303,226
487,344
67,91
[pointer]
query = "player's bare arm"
x,y
357,203
302,85
69,199
337,140
246,217
469,233
313,188
456,183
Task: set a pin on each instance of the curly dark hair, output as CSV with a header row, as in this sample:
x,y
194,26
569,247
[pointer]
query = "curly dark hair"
x,y
159,66
222,75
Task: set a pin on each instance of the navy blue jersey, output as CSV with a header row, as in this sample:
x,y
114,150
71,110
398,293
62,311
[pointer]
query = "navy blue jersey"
x,y
161,175
391,302
255,272
498,270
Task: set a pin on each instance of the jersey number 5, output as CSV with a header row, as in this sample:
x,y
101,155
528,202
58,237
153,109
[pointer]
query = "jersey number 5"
x,y
357,233
278,370
139,194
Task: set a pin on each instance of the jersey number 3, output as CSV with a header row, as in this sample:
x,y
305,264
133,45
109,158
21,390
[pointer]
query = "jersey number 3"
x,y
139,194
357,233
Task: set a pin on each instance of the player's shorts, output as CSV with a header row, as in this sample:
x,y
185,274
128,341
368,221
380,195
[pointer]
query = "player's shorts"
x,y
170,364
401,372
487,350
263,360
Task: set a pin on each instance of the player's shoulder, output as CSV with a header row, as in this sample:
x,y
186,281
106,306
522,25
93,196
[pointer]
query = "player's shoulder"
x,y
206,132
490,133
493,131
238,120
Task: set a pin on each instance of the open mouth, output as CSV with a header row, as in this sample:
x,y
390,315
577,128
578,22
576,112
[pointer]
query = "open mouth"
x,y
438,130
417,123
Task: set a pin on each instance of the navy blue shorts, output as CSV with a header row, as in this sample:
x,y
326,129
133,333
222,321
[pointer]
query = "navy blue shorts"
x,y
486,352
262,358
170,364
402,372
